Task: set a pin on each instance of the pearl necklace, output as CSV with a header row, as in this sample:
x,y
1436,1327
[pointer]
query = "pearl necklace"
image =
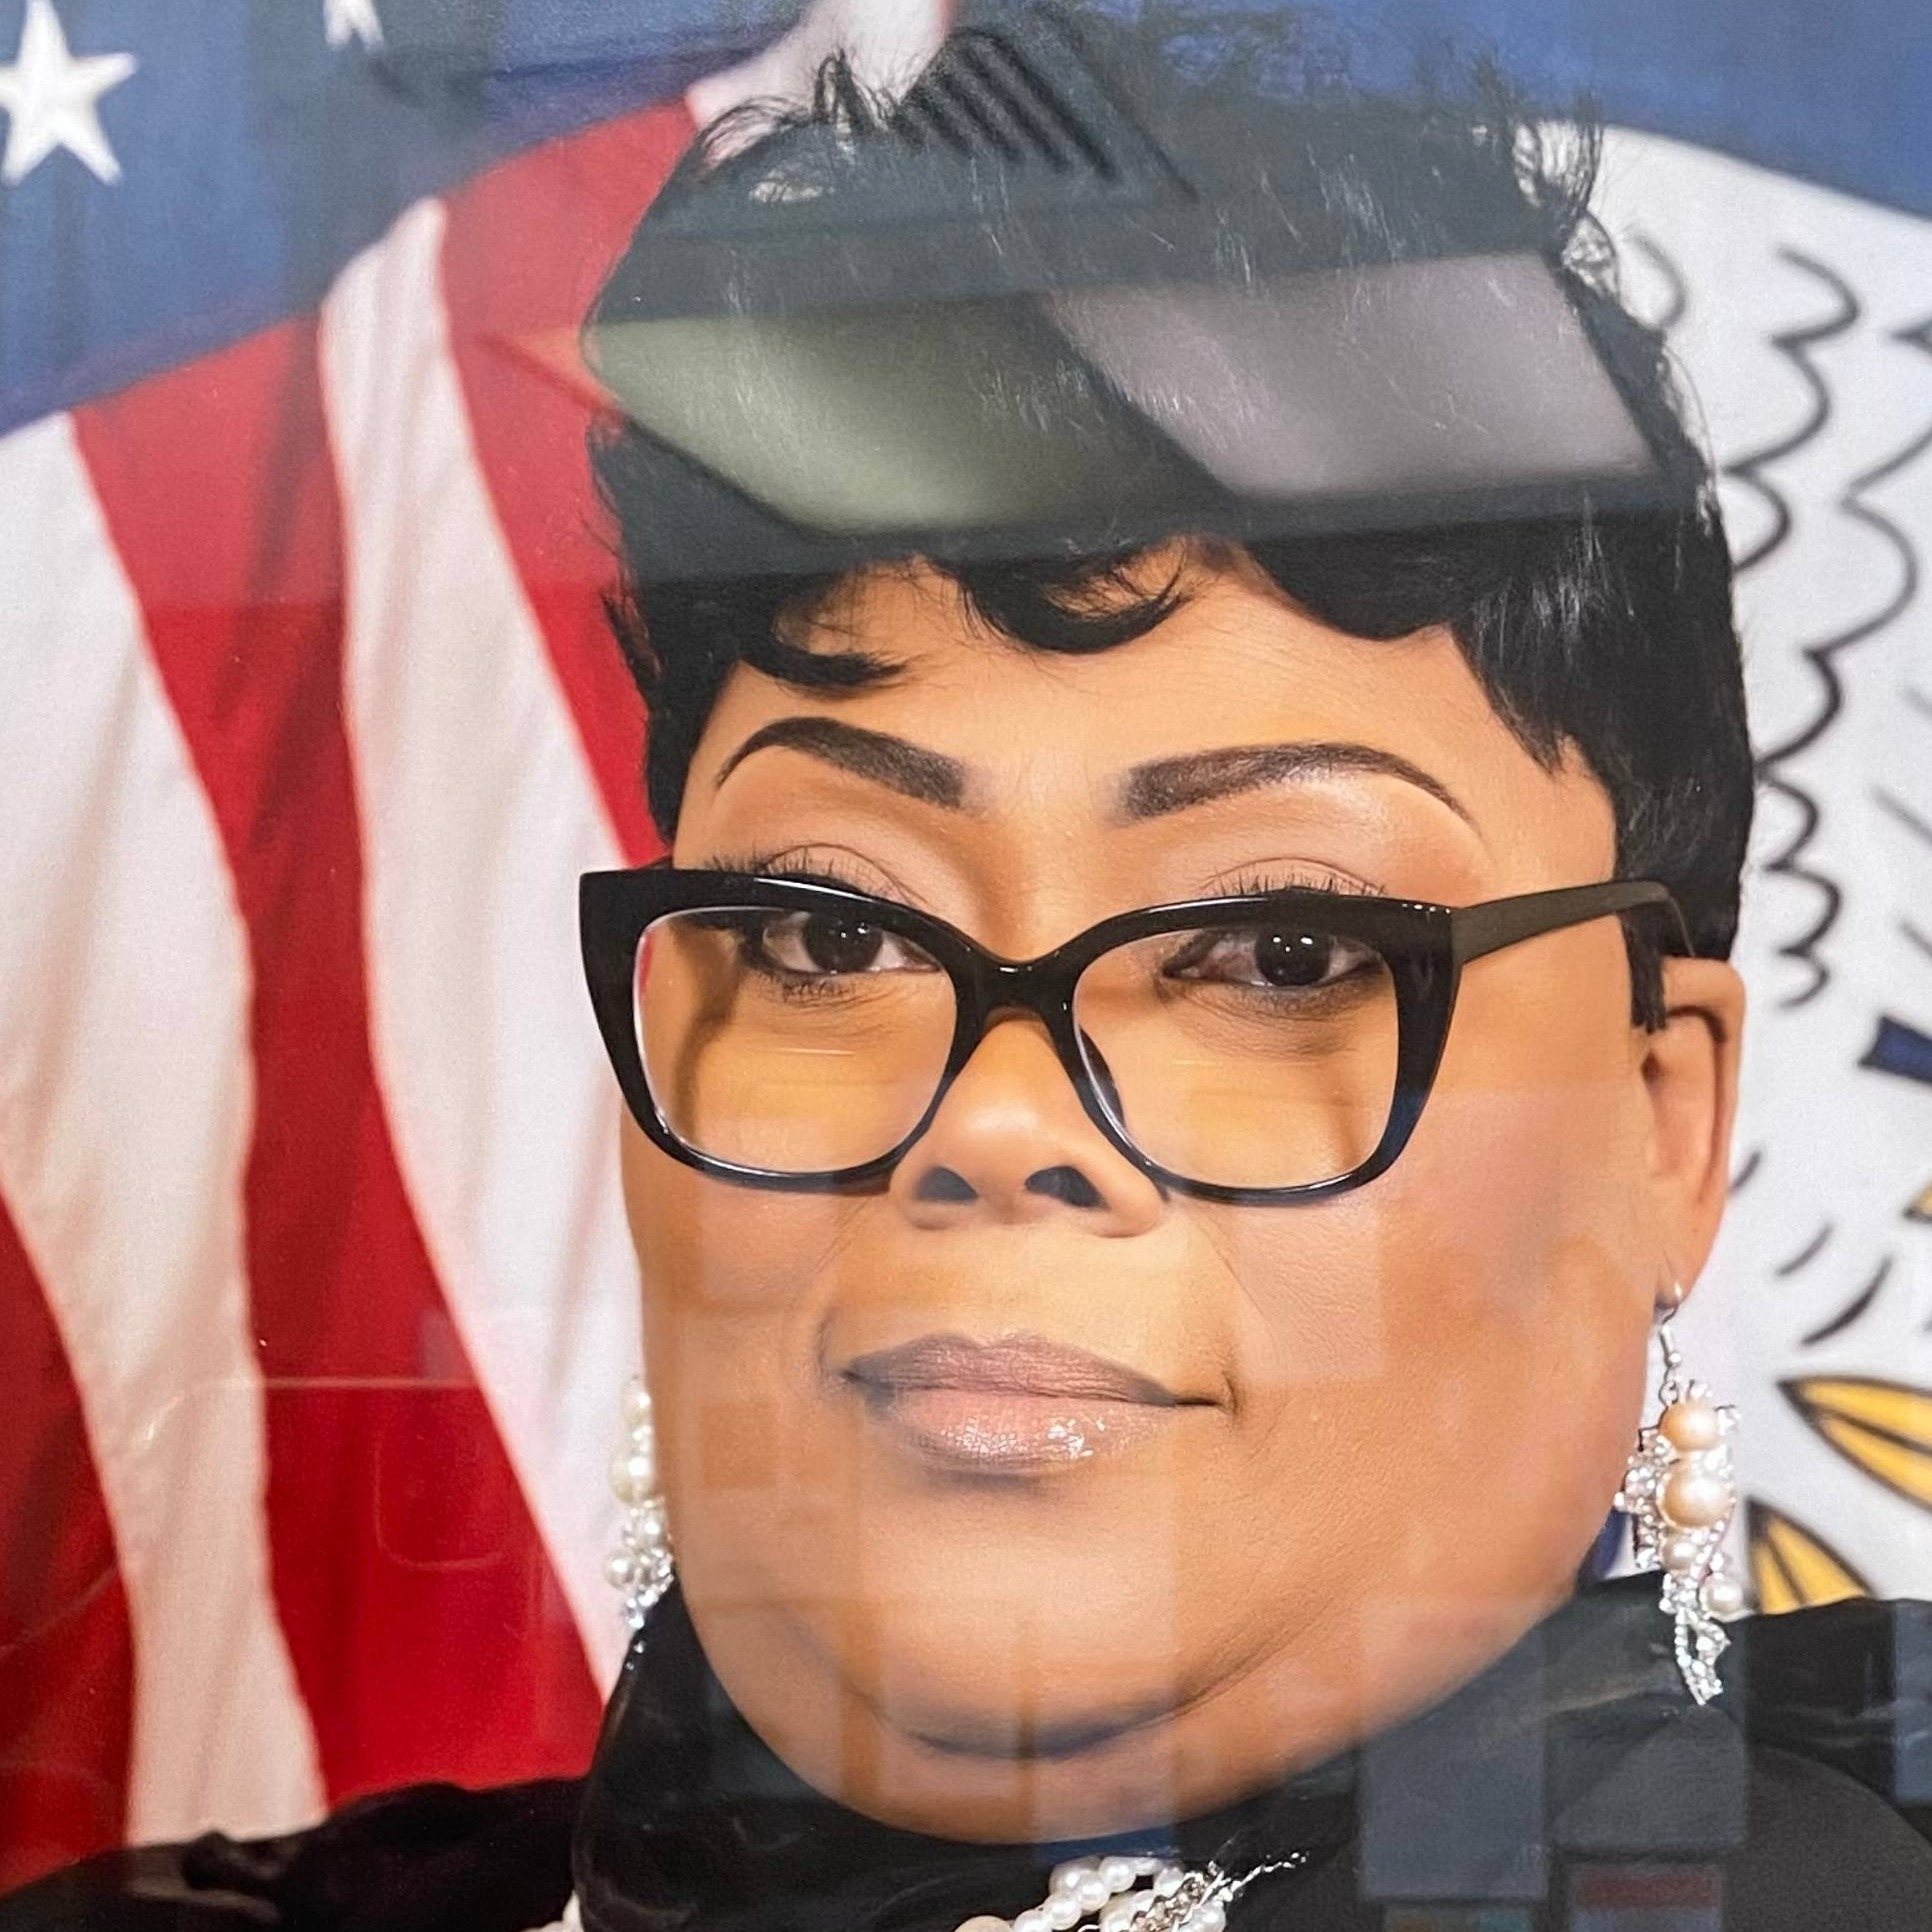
x,y
1144,1894
1173,1900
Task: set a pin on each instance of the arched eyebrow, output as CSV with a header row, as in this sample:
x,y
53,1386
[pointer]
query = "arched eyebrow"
x,y
912,770
1149,790
1164,785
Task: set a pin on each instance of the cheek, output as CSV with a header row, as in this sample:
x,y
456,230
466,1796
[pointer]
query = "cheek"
x,y
730,1326
1458,1347
1533,1148
1526,1255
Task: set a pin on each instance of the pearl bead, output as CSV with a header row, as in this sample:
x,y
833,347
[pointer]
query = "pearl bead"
x,y
1092,1892
637,1406
1207,1918
1116,1874
1067,1876
1723,1596
1681,1553
633,1475
1694,1500
1062,1911
645,1529
1690,1425
983,1922
1119,1915
1034,1919
1167,1881
620,1569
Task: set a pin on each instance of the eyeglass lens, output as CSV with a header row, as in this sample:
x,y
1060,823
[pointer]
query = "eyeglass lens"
x,y
805,1042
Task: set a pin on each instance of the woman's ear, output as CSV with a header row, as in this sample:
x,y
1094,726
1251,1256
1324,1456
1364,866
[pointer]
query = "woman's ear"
x,y
1690,1077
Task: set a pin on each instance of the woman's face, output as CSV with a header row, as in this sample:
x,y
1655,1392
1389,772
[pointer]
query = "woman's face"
x,y
1382,1429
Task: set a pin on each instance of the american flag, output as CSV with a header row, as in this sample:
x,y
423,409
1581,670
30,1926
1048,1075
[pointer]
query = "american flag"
x,y
315,1295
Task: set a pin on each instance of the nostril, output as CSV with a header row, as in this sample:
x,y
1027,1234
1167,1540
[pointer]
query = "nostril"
x,y
1066,1184
945,1184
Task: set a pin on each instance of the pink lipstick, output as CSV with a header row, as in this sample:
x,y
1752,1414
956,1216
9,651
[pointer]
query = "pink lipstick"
x,y
1009,1407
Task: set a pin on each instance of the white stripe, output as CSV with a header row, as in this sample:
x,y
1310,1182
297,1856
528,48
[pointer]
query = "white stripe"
x,y
125,1106
888,42
478,812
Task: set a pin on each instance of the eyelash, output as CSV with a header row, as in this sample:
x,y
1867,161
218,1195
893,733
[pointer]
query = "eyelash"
x,y
775,865
1251,880
1259,879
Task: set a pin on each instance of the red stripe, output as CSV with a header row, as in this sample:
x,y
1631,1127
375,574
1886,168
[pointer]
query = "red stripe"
x,y
426,1627
527,245
66,1652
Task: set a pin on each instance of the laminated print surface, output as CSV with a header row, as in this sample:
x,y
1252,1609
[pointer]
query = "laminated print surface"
x,y
964,967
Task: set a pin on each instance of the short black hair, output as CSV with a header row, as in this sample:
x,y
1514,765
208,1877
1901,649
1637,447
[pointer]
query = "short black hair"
x,y
1607,629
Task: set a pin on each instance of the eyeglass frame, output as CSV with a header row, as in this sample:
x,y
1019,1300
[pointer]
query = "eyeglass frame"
x,y
1424,946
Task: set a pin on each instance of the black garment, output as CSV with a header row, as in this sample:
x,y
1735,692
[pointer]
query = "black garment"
x,y
1572,1780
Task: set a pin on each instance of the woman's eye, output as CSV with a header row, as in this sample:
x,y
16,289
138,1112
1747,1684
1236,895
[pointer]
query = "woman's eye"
x,y
831,942
1275,957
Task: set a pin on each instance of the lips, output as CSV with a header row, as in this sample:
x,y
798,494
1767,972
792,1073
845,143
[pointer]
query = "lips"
x,y
1008,1407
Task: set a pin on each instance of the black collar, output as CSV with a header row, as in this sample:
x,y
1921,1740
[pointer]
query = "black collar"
x,y
1580,1741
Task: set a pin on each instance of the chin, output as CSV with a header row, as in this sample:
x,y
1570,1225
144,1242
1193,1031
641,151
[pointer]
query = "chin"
x,y
1132,1783
975,1654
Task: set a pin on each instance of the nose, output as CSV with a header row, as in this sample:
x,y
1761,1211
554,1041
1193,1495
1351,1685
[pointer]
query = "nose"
x,y
1012,1143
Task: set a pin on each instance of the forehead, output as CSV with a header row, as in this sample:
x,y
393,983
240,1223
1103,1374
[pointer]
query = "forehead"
x,y
1235,664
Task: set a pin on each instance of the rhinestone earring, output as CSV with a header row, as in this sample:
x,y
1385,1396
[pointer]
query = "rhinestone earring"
x,y
640,1565
1679,1494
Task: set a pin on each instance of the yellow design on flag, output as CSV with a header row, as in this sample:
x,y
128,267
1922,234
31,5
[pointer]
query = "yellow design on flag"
x,y
1884,1427
1792,1568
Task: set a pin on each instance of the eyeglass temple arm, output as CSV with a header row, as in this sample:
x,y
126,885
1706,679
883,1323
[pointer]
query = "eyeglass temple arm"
x,y
1503,922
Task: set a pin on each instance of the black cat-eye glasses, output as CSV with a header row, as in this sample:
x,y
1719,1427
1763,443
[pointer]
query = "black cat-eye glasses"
x,y
1272,1047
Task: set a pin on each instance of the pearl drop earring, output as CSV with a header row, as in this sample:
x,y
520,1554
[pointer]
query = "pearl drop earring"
x,y
640,1566
1679,1495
